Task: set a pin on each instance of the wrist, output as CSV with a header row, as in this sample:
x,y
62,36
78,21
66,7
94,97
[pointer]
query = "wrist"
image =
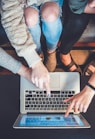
x,y
22,70
37,65
33,65
91,88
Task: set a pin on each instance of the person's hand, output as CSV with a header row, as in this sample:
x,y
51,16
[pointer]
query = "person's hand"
x,y
40,77
80,102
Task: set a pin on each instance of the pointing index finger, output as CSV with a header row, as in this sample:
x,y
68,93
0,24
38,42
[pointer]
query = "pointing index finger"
x,y
69,109
47,87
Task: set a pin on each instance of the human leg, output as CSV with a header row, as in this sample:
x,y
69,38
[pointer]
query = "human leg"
x,y
72,31
52,28
51,24
90,68
32,21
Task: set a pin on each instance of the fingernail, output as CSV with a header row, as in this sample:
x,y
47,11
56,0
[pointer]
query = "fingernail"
x,y
48,94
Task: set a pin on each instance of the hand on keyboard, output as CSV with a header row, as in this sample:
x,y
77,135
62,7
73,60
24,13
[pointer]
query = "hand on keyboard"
x,y
81,101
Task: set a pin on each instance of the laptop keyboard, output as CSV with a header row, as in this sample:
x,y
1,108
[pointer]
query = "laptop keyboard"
x,y
39,101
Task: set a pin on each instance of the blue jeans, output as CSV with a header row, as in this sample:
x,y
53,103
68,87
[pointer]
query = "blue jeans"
x,y
51,31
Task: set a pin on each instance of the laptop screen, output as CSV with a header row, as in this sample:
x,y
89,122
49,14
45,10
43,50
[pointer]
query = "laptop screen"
x,y
50,120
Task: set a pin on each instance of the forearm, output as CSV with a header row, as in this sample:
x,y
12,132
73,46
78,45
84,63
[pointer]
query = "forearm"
x,y
90,86
90,7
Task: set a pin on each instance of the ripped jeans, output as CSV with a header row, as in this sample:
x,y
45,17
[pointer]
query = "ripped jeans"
x,y
51,30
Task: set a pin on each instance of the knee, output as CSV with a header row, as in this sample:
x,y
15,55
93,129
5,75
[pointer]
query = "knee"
x,y
50,11
31,16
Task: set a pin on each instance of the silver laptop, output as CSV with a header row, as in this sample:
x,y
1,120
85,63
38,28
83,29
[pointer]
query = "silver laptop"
x,y
38,111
